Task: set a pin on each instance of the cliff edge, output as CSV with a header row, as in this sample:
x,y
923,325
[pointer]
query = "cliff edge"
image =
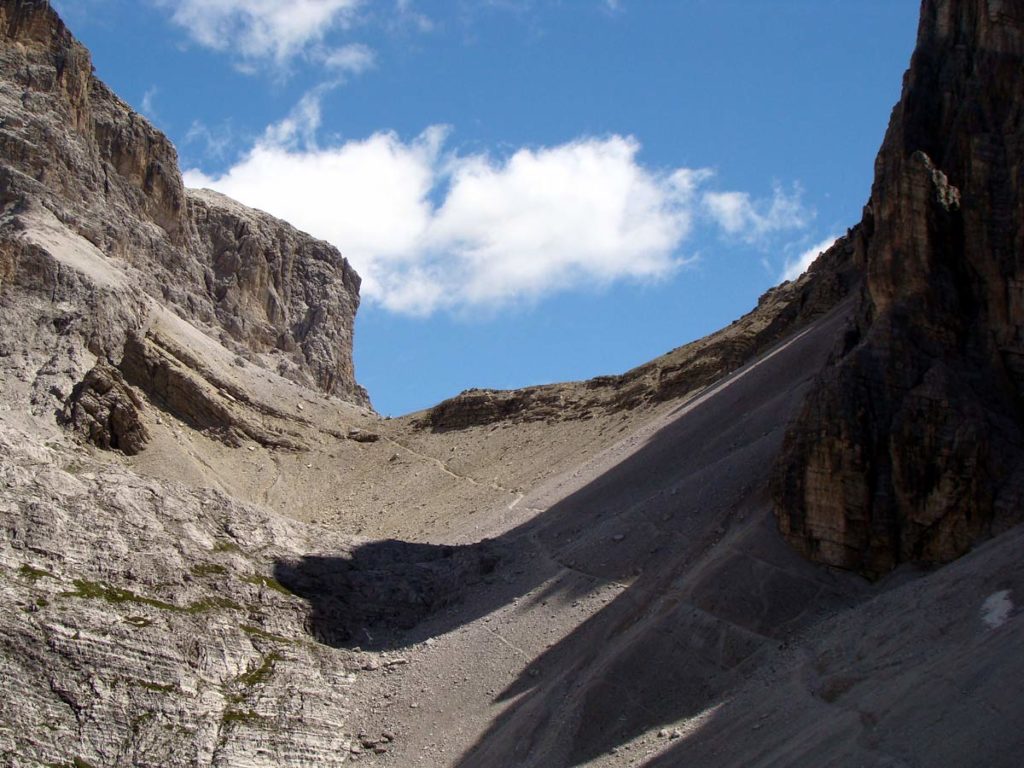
x,y
97,229
910,446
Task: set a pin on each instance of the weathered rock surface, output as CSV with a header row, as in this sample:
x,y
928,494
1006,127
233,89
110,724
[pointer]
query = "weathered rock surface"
x,y
276,289
105,411
188,389
81,165
142,626
912,445
573,589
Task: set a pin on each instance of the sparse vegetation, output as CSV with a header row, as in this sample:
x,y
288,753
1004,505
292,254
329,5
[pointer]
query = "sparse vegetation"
x,y
240,716
250,679
212,603
257,632
96,590
269,582
209,569
33,574
261,674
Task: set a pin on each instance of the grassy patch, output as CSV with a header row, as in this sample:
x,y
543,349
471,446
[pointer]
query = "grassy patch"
x,y
212,603
226,546
139,621
261,674
241,716
268,582
252,678
257,632
95,590
33,574
209,569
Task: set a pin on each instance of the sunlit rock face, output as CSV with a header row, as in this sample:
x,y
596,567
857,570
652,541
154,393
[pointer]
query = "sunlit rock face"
x,y
910,446
95,215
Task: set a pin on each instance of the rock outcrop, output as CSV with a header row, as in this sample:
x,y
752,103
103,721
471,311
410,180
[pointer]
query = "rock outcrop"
x,y
911,447
91,193
278,291
105,411
143,627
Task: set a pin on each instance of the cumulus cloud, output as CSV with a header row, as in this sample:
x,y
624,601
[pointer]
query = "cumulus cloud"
x,y
796,267
430,229
261,29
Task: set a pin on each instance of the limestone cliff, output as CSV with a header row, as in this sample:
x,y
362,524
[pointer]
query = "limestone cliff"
x,y
911,446
95,223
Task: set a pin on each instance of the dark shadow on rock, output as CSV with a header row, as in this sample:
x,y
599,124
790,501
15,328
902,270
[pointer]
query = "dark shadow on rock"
x,y
383,587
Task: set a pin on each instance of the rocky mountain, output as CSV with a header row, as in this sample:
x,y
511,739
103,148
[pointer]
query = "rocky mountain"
x,y
97,228
911,446
215,554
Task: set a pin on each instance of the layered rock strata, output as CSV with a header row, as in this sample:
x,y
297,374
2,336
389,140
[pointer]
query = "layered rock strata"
x,y
93,213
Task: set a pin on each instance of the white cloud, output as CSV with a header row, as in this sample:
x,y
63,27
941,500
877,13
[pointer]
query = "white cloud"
x,y
215,142
406,15
261,29
739,215
349,59
430,230
796,267
147,106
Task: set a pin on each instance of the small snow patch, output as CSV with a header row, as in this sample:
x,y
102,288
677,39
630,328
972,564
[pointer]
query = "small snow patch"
x,y
996,609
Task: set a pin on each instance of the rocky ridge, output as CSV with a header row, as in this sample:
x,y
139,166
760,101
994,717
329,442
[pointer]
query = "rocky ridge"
x,y
780,312
911,447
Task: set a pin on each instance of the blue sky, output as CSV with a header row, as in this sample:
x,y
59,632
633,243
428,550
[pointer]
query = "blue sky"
x,y
532,191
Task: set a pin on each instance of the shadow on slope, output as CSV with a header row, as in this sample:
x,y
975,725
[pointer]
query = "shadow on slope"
x,y
927,673
684,520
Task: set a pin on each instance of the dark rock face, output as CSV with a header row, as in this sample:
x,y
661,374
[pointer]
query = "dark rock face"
x,y
78,158
910,447
104,410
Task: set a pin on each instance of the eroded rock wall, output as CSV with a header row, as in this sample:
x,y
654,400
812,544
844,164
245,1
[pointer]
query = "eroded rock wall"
x,y
276,289
99,180
910,447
